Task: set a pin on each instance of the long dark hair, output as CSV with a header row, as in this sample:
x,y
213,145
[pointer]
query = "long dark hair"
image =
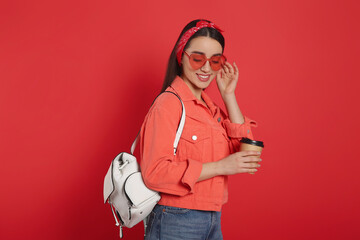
x,y
173,68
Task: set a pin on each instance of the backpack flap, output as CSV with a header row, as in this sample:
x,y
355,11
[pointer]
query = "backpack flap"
x,y
136,191
108,183
123,164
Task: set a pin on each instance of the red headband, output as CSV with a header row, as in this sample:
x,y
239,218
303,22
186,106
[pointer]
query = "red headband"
x,y
187,35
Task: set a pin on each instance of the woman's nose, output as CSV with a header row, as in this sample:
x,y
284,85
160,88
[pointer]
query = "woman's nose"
x,y
206,67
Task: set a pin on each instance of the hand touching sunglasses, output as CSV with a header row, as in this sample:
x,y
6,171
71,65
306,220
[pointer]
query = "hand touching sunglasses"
x,y
198,60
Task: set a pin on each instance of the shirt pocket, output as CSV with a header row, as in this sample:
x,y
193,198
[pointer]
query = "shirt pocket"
x,y
195,141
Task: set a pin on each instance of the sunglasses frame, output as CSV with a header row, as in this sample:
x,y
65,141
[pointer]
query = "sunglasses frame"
x,y
207,59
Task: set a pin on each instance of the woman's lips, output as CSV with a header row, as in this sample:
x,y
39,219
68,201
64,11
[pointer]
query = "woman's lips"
x,y
203,77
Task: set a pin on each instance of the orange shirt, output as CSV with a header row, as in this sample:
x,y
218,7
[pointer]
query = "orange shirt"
x,y
208,136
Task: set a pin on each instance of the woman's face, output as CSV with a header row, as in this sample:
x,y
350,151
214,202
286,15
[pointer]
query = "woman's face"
x,y
200,79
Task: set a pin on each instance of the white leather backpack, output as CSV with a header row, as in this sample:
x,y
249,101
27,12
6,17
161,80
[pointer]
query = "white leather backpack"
x,y
124,189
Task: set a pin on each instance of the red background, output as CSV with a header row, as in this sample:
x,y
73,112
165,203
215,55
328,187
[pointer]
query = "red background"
x,y
77,78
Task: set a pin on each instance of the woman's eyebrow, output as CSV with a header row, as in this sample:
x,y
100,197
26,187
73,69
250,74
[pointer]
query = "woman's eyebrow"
x,y
217,54
198,52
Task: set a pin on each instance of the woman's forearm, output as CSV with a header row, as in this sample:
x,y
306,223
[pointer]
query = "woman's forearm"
x,y
233,109
209,170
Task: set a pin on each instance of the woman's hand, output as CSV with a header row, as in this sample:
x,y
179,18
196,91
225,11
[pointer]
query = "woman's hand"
x,y
227,79
240,162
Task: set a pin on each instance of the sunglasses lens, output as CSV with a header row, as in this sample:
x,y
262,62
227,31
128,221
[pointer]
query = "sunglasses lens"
x,y
216,62
197,60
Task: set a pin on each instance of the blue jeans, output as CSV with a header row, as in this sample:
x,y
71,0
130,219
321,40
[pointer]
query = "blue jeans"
x,y
172,223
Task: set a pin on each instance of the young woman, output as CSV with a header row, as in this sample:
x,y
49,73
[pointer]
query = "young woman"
x,y
193,183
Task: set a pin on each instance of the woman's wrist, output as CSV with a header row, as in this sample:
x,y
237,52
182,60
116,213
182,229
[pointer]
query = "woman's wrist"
x,y
210,170
219,168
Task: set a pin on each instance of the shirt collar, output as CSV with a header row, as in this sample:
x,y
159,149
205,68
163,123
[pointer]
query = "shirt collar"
x,y
209,102
182,89
185,93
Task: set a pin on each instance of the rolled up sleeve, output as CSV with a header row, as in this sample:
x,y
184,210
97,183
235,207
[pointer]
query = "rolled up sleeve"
x,y
238,131
192,174
161,170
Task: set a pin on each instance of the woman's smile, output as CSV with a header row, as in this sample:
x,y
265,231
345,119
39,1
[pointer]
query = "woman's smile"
x,y
203,77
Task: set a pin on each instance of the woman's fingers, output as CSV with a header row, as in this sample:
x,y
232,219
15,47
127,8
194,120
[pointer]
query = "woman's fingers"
x,y
251,165
248,153
219,80
249,161
240,162
218,75
252,170
236,69
226,68
230,67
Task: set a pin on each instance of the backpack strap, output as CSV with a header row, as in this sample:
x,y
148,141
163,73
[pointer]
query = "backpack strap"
x,y
178,132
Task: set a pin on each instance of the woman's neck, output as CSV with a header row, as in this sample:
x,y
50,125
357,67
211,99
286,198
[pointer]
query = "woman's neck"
x,y
195,91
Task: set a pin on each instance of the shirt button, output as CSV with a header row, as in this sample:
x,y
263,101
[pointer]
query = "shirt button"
x,y
194,137
248,131
219,119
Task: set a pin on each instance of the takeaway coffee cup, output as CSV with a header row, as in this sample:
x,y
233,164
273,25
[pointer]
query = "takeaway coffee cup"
x,y
247,144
